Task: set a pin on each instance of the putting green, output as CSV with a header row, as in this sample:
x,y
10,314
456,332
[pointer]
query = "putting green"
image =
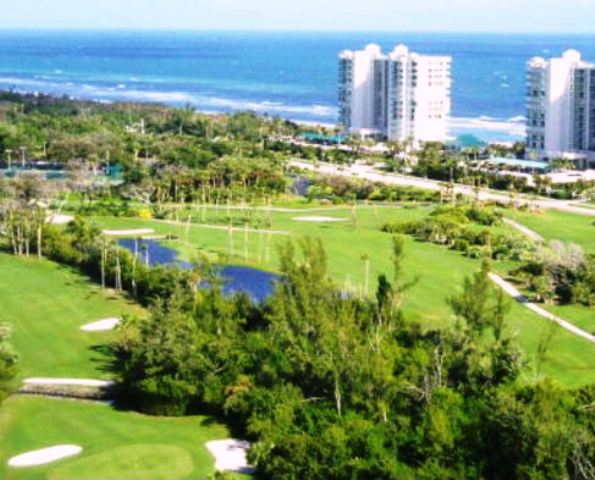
x,y
116,444
156,461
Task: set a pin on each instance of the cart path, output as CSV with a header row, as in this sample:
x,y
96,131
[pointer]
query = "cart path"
x,y
519,297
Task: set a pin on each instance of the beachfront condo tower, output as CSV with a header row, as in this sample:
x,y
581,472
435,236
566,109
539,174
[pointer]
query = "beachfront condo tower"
x,y
561,108
397,96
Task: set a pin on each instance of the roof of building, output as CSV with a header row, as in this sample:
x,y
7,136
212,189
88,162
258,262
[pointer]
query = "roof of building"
x,y
519,163
319,137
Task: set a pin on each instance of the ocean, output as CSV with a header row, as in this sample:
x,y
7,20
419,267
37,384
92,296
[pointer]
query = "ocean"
x,y
293,75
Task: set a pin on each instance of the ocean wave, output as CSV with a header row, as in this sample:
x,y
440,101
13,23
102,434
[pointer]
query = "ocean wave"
x,y
21,81
121,92
169,98
271,107
513,127
517,119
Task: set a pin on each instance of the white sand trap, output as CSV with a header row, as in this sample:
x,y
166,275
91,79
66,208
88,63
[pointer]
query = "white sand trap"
x,y
78,382
101,325
60,219
230,455
129,233
319,219
45,455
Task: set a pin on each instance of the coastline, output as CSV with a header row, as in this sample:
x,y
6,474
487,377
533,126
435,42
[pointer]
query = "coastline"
x,y
485,128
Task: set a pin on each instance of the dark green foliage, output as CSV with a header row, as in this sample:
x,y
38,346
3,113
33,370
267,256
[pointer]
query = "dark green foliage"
x,y
8,364
560,272
330,386
81,245
341,189
460,228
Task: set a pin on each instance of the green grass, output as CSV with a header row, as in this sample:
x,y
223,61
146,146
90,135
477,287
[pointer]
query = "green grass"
x,y
46,304
580,315
439,271
116,445
554,225
567,227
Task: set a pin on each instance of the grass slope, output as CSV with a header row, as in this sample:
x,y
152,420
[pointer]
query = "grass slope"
x,y
46,304
439,271
116,444
555,225
567,227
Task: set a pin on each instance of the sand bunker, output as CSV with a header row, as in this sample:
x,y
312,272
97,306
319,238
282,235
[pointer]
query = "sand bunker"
x,y
101,325
129,233
79,382
59,219
45,455
230,455
319,219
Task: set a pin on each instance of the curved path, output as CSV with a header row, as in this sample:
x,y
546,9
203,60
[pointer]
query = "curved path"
x,y
533,235
519,297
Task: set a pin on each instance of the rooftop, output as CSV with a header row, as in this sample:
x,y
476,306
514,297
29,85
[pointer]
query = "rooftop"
x,y
516,162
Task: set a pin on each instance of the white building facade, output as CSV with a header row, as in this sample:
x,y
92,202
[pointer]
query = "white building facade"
x,y
398,96
561,108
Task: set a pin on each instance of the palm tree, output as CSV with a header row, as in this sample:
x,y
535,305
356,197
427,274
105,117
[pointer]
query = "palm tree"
x,y
118,270
366,259
103,260
9,157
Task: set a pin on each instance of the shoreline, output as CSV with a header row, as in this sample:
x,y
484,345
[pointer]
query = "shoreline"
x,y
484,128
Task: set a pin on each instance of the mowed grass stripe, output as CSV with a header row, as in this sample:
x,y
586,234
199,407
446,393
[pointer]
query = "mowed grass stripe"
x,y
46,304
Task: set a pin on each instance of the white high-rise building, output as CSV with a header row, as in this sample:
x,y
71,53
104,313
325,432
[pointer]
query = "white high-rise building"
x,y
397,96
561,107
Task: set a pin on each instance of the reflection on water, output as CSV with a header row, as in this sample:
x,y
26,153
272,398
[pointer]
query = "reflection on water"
x,y
256,283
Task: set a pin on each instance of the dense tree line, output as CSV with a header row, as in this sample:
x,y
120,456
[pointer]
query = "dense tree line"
x,y
341,189
560,272
8,363
466,229
166,154
329,385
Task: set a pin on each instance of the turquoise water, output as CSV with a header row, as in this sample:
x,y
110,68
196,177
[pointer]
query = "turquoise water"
x,y
47,174
289,74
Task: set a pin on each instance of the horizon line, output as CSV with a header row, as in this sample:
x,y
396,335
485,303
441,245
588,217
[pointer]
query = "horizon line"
x,y
286,30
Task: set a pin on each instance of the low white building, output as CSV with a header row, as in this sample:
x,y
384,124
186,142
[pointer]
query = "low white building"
x,y
399,96
561,108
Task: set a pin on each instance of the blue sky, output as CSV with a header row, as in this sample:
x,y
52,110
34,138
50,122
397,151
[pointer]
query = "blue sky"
x,y
564,16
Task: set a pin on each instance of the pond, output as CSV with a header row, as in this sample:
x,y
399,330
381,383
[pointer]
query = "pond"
x,y
258,284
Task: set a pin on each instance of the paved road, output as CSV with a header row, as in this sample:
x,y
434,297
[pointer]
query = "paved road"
x,y
370,173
